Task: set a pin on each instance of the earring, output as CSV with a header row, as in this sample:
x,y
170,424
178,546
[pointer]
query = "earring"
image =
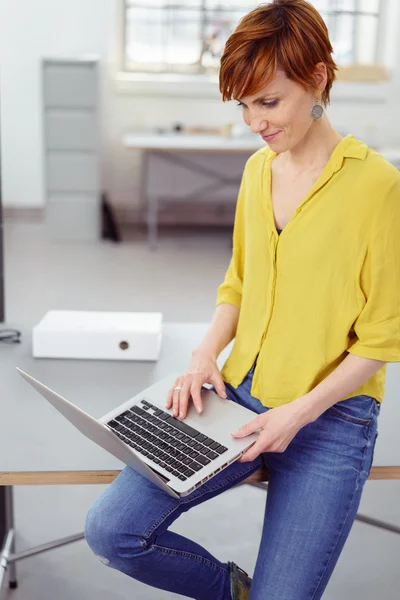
x,y
317,111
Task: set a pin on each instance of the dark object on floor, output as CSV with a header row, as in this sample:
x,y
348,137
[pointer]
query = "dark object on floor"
x,y
240,582
110,229
10,336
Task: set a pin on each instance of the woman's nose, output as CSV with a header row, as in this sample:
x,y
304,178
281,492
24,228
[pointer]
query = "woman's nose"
x,y
257,125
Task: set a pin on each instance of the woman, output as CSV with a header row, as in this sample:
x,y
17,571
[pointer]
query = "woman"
x,y
315,315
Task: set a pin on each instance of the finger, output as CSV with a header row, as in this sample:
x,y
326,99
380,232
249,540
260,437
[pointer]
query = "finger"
x,y
170,396
175,398
195,390
252,453
250,427
184,398
219,385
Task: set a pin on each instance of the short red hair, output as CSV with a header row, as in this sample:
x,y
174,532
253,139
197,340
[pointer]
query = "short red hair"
x,y
286,34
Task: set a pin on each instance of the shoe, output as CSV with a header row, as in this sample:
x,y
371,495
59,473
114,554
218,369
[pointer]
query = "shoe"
x,y
240,582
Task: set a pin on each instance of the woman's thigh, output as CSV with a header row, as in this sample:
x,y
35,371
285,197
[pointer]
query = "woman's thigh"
x,y
133,509
314,492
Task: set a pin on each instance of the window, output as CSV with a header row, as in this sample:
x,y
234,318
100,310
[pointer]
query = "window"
x,y
188,36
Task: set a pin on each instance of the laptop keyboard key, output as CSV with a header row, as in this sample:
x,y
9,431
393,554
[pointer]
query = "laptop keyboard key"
x,y
182,477
192,443
221,449
212,455
182,427
208,442
195,466
203,460
214,445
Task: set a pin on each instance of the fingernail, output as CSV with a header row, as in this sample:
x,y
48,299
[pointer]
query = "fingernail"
x,y
181,415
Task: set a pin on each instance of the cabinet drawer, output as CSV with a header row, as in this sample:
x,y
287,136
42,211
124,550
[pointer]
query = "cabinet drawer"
x,y
69,85
72,171
70,130
73,216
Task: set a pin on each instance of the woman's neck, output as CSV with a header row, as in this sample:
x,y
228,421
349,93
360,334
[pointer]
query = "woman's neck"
x,y
316,147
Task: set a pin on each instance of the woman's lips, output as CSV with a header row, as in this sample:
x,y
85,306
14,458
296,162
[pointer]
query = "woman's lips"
x,y
268,138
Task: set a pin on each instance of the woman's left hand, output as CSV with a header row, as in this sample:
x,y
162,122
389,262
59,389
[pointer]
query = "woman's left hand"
x,y
278,427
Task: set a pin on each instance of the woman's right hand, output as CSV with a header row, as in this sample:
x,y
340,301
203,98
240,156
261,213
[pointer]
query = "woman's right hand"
x,y
202,369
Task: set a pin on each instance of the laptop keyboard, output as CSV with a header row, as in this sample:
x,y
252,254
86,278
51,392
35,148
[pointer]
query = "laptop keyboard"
x,y
175,446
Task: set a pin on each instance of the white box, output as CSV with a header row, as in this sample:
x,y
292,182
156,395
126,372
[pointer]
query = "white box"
x,y
98,335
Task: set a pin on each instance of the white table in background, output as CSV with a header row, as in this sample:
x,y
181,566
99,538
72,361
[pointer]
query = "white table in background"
x,y
180,150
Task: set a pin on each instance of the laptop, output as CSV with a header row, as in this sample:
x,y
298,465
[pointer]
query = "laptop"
x,y
177,456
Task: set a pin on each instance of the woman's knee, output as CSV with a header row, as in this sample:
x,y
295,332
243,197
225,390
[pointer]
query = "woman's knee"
x,y
107,540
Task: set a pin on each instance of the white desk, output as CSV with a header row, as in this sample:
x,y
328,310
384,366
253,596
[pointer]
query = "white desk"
x,y
195,143
162,152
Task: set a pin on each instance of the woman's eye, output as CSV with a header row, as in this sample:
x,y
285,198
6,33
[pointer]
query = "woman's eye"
x,y
268,104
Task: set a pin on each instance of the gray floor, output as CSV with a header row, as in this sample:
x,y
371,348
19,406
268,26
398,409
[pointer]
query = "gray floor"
x,y
180,280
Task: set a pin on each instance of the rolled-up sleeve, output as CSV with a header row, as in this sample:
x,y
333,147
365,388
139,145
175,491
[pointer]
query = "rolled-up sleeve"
x,y
230,291
377,327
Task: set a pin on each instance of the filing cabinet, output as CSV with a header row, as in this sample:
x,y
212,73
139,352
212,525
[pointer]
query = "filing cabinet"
x,y
71,148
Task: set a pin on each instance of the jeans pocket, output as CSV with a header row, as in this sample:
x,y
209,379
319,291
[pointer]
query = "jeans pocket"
x,y
360,410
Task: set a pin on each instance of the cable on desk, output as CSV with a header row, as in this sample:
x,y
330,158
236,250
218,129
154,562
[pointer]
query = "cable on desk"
x,y
10,336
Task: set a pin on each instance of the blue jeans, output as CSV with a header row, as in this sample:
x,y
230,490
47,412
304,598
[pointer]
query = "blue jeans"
x,y
313,495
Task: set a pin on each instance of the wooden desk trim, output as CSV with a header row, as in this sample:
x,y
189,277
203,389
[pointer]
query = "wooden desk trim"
x,y
105,477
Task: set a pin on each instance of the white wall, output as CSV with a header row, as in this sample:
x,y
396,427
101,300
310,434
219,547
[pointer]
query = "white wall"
x,y
32,29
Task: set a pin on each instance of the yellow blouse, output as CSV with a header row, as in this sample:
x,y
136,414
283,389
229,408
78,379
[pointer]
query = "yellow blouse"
x,y
327,285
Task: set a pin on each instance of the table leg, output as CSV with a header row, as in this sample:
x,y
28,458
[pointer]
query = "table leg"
x,y
152,221
7,536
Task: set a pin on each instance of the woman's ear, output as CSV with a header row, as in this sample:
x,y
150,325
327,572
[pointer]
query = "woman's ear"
x,y
320,77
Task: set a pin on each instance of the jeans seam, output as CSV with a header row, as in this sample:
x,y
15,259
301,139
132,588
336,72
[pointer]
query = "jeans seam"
x,y
354,420
359,478
178,505
190,555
